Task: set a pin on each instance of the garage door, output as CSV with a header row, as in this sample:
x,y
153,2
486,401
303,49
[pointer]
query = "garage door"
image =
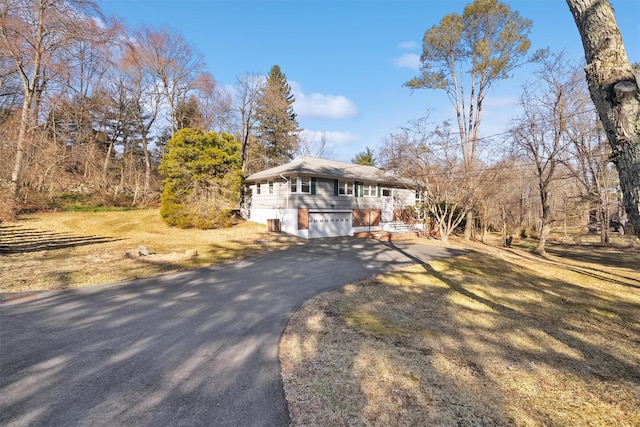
x,y
329,224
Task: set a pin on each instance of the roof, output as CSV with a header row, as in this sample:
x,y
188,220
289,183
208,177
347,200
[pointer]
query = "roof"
x,y
324,168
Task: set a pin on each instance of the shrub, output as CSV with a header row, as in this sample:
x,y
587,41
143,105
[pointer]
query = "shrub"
x,y
203,179
523,233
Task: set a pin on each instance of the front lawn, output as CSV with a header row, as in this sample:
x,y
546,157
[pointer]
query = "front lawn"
x,y
51,251
499,337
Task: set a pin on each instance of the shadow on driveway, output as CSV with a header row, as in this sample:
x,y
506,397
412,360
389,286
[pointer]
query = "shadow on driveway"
x,y
192,348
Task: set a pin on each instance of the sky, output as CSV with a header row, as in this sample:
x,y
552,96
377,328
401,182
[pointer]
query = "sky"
x,y
347,60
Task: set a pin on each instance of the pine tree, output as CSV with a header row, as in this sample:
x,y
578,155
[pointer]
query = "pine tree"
x,y
277,129
202,179
365,158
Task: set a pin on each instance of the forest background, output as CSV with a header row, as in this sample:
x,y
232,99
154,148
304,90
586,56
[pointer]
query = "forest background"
x,y
108,97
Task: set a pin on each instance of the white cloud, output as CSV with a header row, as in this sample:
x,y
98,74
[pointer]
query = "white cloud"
x,y
408,60
407,45
320,106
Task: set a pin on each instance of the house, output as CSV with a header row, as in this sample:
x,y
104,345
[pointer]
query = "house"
x,y
312,197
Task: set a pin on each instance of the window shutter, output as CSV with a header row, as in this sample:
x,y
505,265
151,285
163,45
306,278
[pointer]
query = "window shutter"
x,y
335,187
313,185
359,190
378,190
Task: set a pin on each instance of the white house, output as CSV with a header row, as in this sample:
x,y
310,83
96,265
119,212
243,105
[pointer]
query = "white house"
x,y
312,197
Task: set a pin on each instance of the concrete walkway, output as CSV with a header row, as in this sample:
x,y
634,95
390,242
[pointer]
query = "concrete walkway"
x,y
198,348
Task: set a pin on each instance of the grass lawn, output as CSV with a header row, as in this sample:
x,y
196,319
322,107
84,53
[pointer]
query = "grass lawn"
x,y
52,251
498,337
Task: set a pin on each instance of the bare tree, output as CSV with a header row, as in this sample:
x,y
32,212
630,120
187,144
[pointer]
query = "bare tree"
x,y
168,57
540,133
142,81
34,33
464,56
590,162
248,91
315,147
215,104
615,93
426,160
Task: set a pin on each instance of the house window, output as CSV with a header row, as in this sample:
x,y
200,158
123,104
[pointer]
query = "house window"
x,y
386,192
293,183
369,190
305,185
270,187
259,186
345,188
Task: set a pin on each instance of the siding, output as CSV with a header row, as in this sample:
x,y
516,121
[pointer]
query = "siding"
x,y
324,199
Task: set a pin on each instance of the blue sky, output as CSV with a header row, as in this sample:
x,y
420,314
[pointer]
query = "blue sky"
x,y
347,60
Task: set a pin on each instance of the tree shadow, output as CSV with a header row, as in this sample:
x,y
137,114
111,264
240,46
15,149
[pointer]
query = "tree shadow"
x,y
17,240
565,296
543,329
197,347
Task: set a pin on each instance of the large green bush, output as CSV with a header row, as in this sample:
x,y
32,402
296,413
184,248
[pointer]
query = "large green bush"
x,y
202,179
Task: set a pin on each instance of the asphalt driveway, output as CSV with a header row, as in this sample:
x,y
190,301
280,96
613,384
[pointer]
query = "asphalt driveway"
x,y
198,348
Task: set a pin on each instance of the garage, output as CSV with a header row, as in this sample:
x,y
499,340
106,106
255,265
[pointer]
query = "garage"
x,y
329,224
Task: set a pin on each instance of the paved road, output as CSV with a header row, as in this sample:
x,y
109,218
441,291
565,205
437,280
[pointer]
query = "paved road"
x,y
198,348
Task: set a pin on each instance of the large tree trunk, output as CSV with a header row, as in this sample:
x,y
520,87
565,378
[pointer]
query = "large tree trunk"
x,y
147,164
20,145
546,222
615,93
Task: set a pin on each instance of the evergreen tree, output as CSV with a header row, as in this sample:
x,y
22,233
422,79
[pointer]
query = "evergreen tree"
x,y
365,158
277,128
203,179
188,114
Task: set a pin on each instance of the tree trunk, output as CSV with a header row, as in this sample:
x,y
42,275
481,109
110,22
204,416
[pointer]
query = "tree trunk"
x,y
604,224
468,227
147,164
615,93
20,145
545,227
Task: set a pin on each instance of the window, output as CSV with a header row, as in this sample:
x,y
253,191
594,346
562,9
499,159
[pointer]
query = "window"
x,y
270,187
305,185
345,188
259,186
302,184
369,190
386,192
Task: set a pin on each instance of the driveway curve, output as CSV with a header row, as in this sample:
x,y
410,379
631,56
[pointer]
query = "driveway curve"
x,y
197,348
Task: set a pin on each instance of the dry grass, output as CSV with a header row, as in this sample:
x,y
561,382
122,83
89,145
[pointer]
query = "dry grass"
x,y
498,337
70,249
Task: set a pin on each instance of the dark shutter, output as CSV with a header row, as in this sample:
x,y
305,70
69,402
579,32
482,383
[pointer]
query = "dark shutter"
x,y
378,190
313,185
335,187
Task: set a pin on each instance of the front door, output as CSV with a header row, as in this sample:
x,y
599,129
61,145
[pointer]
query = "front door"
x,y
387,208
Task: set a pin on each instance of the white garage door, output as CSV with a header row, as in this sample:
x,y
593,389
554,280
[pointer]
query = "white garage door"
x,y
329,224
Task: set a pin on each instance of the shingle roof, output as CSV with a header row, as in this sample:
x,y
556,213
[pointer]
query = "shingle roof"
x,y
323,168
